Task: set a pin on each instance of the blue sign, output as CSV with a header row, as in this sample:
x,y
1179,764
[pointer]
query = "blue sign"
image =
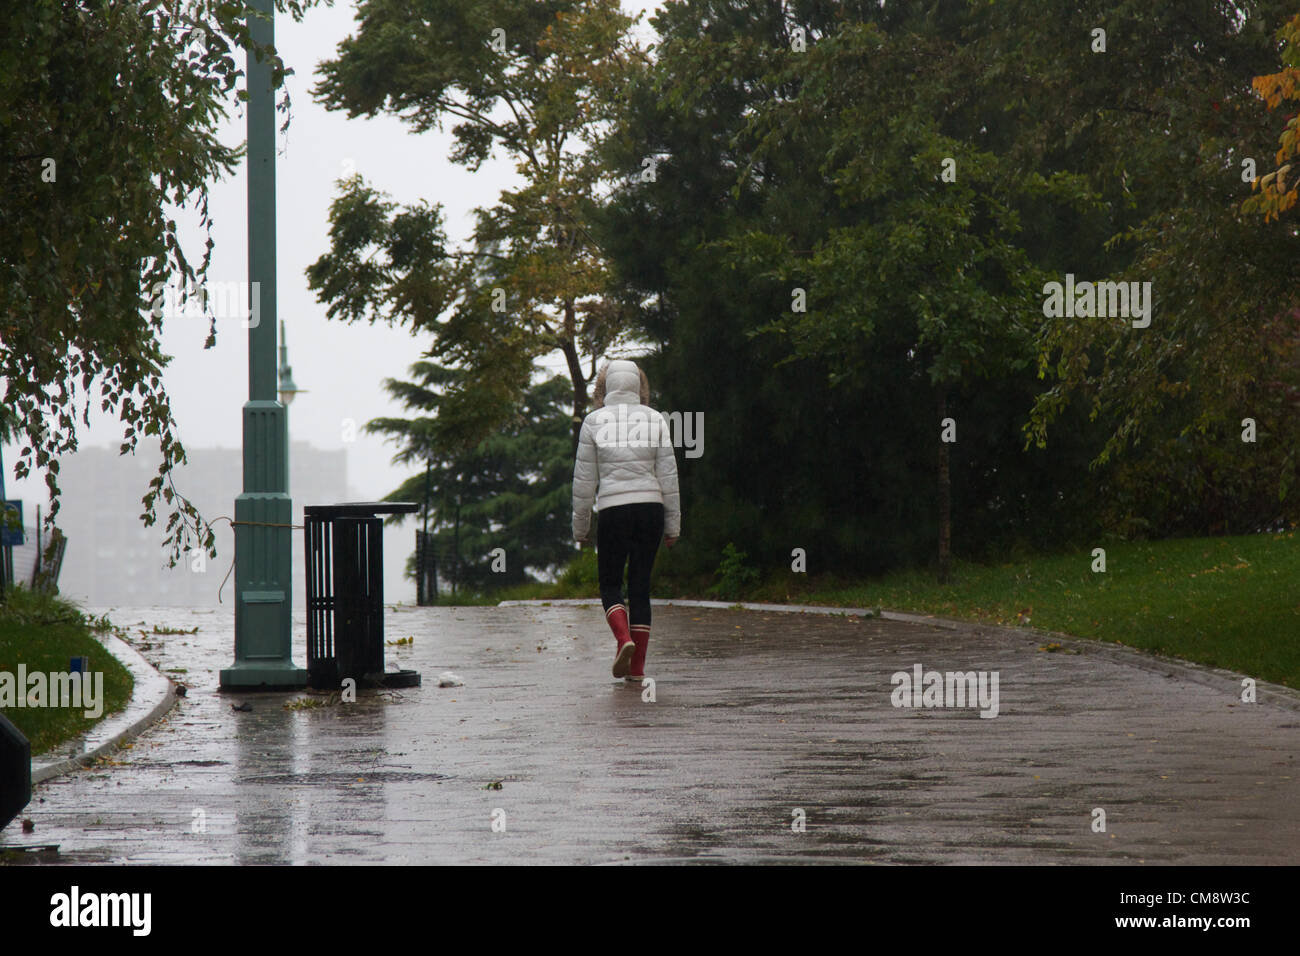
x,y
11,528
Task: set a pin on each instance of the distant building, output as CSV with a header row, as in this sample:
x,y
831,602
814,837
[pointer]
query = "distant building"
x,y
113,559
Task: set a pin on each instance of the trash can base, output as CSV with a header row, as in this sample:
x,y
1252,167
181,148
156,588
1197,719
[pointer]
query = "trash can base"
x,y
393,679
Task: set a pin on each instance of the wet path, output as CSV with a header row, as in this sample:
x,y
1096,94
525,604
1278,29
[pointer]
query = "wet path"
x,y
757,716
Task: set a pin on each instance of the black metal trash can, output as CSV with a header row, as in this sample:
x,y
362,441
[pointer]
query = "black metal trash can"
x,y
345,594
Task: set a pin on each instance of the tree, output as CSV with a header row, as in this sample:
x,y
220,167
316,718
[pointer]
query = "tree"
x,y
927,257
110,112
820,171
533,80
511,491
1274,194
1165,126
804,147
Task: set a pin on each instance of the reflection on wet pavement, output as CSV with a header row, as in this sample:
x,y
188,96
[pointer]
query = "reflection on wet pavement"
x,y
757,717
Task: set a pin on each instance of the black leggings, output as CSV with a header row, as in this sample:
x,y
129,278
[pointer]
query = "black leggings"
x,y
628,535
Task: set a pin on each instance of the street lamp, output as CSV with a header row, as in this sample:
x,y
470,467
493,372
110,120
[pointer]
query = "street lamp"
x,y
264,512
287,387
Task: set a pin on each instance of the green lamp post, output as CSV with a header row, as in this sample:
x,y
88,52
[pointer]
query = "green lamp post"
x,y
264,512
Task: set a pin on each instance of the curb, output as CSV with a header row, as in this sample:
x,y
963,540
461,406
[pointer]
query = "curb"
x,y
1215,677
133,661
945,623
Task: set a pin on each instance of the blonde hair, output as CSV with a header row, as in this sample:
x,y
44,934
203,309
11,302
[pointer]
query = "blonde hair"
x,y
598,390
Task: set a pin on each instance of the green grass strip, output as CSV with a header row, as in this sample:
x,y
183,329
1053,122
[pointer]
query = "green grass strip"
x,y
44,633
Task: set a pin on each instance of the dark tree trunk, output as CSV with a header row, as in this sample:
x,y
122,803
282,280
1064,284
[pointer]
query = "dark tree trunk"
x,y
456,544
569,345
426,566
945,495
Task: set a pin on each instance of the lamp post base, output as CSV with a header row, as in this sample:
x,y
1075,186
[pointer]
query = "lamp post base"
x,y
263,558
263,675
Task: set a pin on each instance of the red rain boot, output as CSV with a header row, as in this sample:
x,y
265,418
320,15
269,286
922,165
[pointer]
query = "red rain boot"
x,y
640,637
616,617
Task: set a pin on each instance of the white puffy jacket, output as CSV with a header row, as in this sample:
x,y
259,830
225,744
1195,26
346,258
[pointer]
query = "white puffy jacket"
x,y
625,455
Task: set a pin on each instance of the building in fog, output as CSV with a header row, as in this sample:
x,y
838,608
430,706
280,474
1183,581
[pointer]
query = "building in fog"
x,y
113,559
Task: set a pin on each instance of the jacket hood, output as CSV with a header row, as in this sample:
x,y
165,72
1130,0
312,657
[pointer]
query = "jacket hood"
x,y
621,383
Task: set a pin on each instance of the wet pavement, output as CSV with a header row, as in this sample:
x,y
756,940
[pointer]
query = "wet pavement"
x,y
771,738
151,696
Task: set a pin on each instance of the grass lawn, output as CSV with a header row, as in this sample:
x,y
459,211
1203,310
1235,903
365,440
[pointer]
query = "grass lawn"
x,y
1226,602
44,633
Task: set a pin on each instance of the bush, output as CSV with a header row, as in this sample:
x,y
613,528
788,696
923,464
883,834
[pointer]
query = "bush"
x,y
579,578
734,575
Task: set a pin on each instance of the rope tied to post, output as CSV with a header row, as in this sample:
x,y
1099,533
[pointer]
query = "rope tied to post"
x,y
232,522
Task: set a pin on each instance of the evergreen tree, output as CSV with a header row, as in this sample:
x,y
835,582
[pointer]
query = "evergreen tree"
x,y
510,491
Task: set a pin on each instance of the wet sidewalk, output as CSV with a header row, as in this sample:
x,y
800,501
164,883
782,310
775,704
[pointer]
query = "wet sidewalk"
x,y
760,720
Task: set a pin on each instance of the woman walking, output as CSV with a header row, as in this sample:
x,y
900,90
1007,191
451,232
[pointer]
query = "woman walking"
x,y
626,465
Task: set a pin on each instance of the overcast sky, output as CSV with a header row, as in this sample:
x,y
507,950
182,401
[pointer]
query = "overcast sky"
x,y
342,367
